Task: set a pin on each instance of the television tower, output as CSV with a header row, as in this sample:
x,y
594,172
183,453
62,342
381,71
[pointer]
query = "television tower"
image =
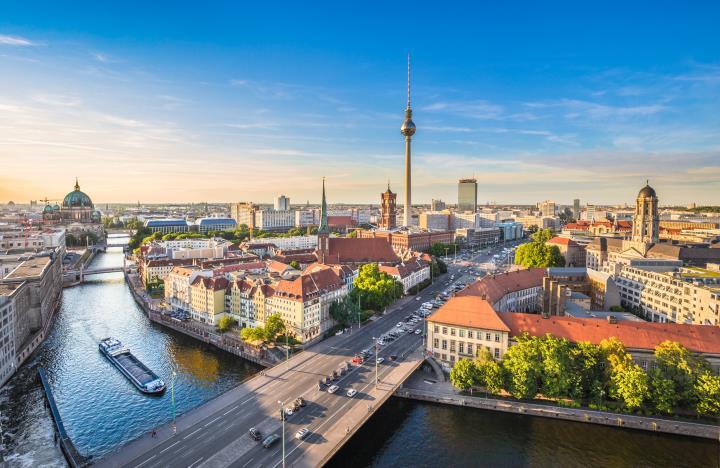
x,y
408,130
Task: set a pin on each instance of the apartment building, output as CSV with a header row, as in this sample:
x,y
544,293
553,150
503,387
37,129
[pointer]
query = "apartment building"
x,y
517,291
410,273
682,295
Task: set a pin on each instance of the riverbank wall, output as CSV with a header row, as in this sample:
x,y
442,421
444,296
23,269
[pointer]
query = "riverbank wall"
x,y
203,333
68,449
705,431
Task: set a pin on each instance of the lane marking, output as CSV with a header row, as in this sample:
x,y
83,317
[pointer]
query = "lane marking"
x,y
196,461
146,461
193,432
248,462
169,447
206,425
230,410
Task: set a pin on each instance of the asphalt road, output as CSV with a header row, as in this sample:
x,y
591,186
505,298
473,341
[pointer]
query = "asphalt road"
x,y
221,438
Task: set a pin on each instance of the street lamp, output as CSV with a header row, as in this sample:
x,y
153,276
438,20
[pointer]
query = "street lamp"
x,y
282,418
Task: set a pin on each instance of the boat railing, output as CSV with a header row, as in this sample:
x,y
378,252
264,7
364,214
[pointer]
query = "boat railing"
x,y
117,352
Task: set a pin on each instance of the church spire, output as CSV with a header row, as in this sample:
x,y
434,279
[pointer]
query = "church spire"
x,y
323,211
77,184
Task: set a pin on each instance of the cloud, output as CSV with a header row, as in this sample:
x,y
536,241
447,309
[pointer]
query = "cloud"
x,y
16,41
57,100
474,109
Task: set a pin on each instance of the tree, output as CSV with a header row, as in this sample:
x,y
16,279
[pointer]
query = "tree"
x,y
682,367
344,311
707,391
542,236
464,374
523,366
253,334
588,362
226,323
559,376
538,254
662,392
630,384
295,264
273,327
490,373
376,289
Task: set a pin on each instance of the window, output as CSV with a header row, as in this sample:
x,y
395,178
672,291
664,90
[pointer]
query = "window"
x,y
452,358
444,331
436,343
487,336
461,347
470,333
469,348
437,329
497,353
497,337
452,346
444,344
461,333
452,332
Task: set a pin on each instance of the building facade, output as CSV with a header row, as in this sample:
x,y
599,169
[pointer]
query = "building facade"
x,y
387,209
467,195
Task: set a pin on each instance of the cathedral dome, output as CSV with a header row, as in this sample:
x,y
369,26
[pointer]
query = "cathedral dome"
x,y
77,199
647,192
48,209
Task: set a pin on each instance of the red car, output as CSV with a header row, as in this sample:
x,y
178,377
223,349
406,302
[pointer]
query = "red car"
x,y
357,360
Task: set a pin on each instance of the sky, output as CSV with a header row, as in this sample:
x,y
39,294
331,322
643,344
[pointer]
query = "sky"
x,y
222,101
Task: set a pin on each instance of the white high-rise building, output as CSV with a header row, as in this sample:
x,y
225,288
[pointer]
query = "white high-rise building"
x,y
282,203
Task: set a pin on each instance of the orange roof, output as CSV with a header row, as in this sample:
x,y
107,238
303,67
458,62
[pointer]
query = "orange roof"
x,y
310,284
469,311
634,335
494,287
562,241
360,250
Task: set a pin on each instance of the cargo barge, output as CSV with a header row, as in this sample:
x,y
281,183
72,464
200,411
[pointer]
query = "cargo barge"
x,y
136,372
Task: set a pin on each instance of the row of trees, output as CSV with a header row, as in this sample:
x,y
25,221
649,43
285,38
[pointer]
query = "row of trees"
x,y
439,250
374,288
599,375
537,253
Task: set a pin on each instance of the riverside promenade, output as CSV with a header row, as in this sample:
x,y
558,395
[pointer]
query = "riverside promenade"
x,y
420,387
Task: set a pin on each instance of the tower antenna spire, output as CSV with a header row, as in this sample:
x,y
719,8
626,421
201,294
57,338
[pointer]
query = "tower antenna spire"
x,y
408,103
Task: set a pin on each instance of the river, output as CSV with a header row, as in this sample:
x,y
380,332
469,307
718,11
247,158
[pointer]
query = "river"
x,y
102,410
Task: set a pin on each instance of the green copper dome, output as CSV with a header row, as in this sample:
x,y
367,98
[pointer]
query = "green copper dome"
x,y
77,199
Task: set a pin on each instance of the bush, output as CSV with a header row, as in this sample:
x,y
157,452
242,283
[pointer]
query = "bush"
x,y
226,323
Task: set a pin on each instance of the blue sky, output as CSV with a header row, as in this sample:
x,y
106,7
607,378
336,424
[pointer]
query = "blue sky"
x,y
193,102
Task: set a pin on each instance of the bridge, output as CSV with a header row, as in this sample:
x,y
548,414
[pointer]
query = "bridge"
x,y
79,275
215,434
102,246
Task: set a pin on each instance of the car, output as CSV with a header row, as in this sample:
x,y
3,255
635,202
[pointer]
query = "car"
x,y
302,433
289,411
357,360
399,324
270,440
351,393
418,331
255,434
380,360
335,375
321,385
339,332
418,298
393,357
333,389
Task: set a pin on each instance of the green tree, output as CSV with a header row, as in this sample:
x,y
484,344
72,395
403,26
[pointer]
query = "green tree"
x,y
273,327
588,361
542,236
253,334
631,385
678,364
464,374
490,373
559,376
295,264
662,392
226,323
538,255
376,289
344,311
523,366
707,391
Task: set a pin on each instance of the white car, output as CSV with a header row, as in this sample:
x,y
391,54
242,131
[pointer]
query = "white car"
x,y
399,324
302,433
351,393
289,411
418,331
333,389
380,360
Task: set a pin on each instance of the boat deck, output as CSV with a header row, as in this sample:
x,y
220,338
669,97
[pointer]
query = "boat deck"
x,y
136,368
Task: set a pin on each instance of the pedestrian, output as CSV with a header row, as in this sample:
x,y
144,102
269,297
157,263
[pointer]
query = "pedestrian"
x,y
153,433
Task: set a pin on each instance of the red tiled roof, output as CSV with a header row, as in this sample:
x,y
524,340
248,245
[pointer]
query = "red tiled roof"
x,y
634,335
214,284
166,262
310,284
404,270
563,241
340,221
360,250
469,311
494,287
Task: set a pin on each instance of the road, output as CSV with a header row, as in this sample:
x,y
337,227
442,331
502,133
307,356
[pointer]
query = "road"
x,y
216,434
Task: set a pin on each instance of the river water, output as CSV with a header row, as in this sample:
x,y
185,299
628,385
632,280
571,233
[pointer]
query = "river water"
x,y
102,410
